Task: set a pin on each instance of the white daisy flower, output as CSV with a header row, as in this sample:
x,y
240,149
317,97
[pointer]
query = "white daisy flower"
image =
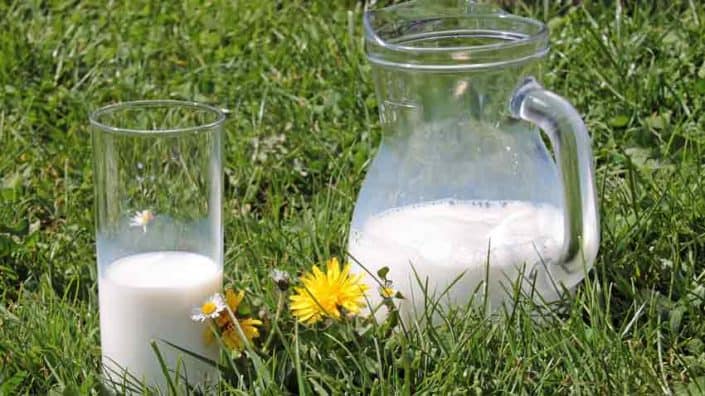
x,y
141,219
210,309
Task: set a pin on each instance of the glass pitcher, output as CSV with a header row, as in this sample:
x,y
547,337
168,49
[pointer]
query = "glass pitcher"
x,y
464,201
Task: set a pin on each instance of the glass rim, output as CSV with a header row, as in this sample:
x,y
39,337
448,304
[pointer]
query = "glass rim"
x,y
371,35
533,44
94,116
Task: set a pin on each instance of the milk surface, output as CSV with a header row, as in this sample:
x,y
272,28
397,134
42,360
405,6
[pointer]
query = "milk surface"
x,y
474,240
148,296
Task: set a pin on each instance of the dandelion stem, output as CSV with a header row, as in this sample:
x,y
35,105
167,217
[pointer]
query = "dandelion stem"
x,y
240,333
297,361
275,326
264,379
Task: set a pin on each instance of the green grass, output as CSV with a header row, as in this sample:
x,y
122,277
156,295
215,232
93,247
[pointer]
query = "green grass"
x,y
303,126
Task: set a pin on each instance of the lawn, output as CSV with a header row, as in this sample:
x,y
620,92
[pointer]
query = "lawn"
x,y
302,126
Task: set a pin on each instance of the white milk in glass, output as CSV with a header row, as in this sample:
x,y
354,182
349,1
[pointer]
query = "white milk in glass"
x,y
443,240
148,296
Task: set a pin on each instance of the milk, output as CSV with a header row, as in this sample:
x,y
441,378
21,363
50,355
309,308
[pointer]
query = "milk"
x,y
148,296
474,240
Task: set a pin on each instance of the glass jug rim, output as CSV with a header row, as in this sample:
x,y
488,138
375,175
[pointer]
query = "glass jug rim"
x,y
526,39
96,115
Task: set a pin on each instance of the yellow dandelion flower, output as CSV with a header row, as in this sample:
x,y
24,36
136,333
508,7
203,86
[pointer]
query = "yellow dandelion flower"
x,y
233,300
325,294
231,337
227,330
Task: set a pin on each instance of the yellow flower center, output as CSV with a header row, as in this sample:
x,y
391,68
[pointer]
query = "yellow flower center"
x,y
208,307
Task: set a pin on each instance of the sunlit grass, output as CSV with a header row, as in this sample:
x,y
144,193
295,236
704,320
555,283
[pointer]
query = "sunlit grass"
x,y
301,128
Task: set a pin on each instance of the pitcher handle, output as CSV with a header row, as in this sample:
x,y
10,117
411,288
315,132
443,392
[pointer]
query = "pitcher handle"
x,y
571,146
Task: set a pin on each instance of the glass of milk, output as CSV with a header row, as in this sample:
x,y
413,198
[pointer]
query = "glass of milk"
x,y
158,175
465,199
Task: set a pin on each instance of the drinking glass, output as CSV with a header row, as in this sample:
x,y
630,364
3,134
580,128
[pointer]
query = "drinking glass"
x,y
158,177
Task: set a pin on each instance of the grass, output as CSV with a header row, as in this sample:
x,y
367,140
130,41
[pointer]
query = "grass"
x,y
302,127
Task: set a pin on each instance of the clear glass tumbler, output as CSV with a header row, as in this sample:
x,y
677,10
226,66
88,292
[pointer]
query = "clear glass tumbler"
x,y
158,175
